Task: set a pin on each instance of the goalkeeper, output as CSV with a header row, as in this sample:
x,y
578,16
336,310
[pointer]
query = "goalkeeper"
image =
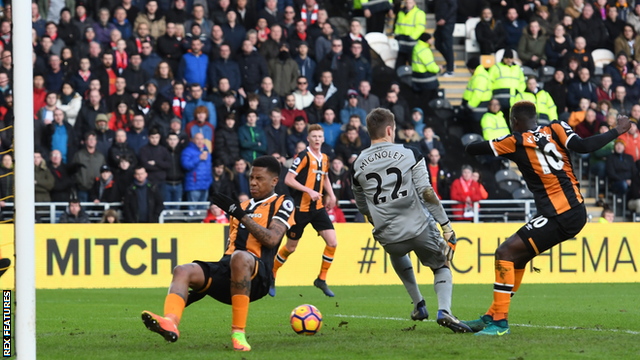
x,y
391,187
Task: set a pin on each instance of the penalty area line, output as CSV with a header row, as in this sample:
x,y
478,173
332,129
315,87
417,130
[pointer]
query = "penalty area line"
x,y
551,327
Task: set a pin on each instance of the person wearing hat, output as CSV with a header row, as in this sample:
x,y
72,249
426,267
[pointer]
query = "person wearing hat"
x,y
104,189
478,92
351,108
425,70
104,135
620,168
506,78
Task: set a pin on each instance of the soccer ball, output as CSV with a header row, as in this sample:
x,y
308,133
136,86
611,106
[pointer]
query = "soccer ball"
x,y
306,320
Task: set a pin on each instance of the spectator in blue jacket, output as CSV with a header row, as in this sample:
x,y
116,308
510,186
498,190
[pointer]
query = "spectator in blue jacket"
x,y
196,161
225,67
332,130
360,63
121,23
197,100
306,64
137,136
253,139
150,59
583,88
193,65
352,108
514,28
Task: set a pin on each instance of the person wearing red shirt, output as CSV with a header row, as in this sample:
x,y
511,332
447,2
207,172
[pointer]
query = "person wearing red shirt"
x,y
290,113
632,139
466,191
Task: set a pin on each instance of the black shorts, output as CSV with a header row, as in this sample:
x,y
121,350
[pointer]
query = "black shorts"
x,y
319,219
542,233
217,279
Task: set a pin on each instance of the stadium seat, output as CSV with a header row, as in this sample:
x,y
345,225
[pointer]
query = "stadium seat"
x,y
546,73
442,109
460,31
376,38
470,27
509,186
470,138
404,73
471,46
393,45
522,193
500,54
602,57
504,175
529,71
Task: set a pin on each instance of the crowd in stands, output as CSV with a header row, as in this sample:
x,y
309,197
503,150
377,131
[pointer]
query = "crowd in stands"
x,y
152,101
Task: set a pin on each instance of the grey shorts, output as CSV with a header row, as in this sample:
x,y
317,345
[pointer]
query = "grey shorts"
x,y
429,246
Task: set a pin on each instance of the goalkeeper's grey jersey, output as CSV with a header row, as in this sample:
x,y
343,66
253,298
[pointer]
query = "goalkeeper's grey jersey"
x,y
387,181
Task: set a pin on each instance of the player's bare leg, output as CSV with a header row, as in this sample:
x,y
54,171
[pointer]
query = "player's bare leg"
x,y
281,257
331,242
404,269
511,258
243,266
184,277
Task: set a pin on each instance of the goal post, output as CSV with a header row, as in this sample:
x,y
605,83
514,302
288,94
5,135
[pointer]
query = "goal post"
x,y
25,320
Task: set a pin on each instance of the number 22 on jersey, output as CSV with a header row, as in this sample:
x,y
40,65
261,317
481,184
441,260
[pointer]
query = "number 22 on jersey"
x,y
395,193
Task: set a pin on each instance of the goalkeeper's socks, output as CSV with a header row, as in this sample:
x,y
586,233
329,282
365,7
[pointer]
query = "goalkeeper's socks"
x,y
403,267
240,309
173,306
280,259
502,288
443,285
327,259
518,280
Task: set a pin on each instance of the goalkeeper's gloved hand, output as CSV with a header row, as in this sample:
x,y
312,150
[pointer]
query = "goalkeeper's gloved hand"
x,y
230,206
450,237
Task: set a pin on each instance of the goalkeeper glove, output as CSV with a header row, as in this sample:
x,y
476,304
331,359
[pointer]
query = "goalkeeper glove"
x,y
230,206
450,237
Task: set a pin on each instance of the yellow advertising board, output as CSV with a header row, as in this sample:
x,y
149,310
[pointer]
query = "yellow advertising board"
x,y
140,256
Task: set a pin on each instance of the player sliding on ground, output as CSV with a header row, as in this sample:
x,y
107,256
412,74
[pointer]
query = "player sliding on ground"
x,y
542,155
244,273
389,183
308,177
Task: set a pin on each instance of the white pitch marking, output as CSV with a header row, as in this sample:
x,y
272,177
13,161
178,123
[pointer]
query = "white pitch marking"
x,y
553,327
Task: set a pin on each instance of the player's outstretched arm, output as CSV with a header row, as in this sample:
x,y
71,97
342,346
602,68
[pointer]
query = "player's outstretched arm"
x,y
479,148
593,143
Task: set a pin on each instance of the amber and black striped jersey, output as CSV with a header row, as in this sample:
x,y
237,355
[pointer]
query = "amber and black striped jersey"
x,y
310,172
545,163
280,208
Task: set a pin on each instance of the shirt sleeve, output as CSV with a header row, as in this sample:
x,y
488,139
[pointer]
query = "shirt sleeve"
x,y
285,212
299,163
504,145
563,131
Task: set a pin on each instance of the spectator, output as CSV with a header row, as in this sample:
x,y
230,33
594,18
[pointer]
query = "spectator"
x,y
120,95
582,55
106,74
615,27
631,138
531,46
288,22
253,68
155,22
168,47
493,122
55,75
253,100
620,103
104,135
212,46
60,136
195,102
349,145
557,88
361,65
39,93
104,188
598,158
603,110
408,136
121,118
621,169
178,103
582,89
253,140
156,160
299,36
234,32
466,192
121,149
225,67
276,133
241,177
340,180
303,97
331,130
490,33
86,120
271,13
284,72
634,18
514,28
227,145
110,217
366,100
273,45
397,109
589,126
341,67
352,108
74,214
44,116
134,76
215,214
163,77
306,65
150,59
143,200
201,125
138,135
439,176
557,47
91,161
44,180
315,111
228,105
196,161
591,28
62,176
198,18
290,112
605,89
80,80
607,216
246,14
103,27
430,141
628,43
267,96
175,174
329,90
632,87
296,134
121,23
578,116
362,131
618,69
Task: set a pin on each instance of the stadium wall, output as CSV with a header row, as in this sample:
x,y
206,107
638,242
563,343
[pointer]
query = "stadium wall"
x,y
143,255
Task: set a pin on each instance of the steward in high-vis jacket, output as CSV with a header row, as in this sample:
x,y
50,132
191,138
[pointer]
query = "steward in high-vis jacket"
x,y
425,70
547,111
478,93
506,77
410,25
493,122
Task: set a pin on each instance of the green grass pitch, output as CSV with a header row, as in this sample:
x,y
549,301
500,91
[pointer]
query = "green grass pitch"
x,y
576,321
